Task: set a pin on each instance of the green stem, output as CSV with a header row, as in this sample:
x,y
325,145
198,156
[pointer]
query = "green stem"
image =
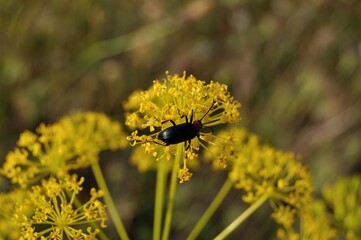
x,y
172,191
159,196
251,209
211,209
109,201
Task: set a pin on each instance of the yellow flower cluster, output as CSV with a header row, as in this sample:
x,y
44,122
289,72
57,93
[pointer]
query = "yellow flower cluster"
x,y
344,199
55,214
316,223
9,229
335,217
260,170
145,162
72,143
177,99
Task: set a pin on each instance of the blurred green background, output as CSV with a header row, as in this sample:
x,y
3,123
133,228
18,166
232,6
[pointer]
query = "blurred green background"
x,y
293,65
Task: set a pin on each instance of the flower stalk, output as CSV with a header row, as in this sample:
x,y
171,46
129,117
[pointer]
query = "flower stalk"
x,y
99,177
211,209
159,198
239,220
172,192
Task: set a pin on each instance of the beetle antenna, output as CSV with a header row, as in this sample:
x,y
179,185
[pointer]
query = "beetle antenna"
x,y
207,111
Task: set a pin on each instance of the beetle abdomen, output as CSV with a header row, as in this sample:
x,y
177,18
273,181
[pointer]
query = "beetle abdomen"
x,y
178,133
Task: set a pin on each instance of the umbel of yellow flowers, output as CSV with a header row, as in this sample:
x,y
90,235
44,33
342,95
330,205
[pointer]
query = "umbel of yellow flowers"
x,y
46,204
151,111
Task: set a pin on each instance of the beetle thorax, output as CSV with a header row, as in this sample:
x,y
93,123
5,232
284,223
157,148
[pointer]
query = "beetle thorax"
x,y
198,125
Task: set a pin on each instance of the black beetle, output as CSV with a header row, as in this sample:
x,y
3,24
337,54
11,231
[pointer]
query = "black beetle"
x,y
183,132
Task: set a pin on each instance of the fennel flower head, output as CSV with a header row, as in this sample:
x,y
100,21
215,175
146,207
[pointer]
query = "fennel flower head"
x,y
263,171
56,215
344,199
9,229
53,150
316,223
173,101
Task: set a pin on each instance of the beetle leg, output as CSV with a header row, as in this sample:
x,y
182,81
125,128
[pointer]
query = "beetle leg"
x,y
184,116
169,121
199,138
212,131
187,142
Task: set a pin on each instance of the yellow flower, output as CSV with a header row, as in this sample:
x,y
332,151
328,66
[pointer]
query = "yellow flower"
x,y
316,222
260,170
145,162
184,175
228,145
55,215
287,234
175,100
344,199
8,228
72,143
284,215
